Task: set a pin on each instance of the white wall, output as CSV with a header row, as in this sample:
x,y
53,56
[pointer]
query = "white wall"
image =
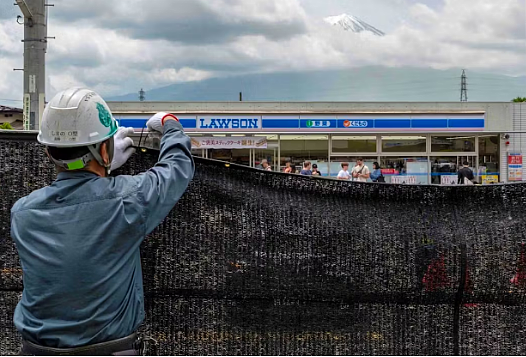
x,y
517,141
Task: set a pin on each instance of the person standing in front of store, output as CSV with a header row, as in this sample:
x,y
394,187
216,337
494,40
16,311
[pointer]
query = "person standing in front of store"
x,y
376,175
465,175
288,169
360,172
344,172
265,166
315,171
306,169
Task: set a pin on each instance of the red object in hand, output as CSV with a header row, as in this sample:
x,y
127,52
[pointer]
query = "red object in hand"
x,y
168,115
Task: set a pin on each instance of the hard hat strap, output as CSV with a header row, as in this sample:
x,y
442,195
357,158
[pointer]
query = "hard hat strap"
x,y
82,162
94,149
75,164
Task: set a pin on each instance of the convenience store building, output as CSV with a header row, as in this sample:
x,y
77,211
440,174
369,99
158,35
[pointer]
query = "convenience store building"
x,y
413,142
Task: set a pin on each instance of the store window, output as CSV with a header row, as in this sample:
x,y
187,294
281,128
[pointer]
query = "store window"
x,y
489,163
444,169
297,149
336,164
453,144
353,144
404,144
405,170
198,152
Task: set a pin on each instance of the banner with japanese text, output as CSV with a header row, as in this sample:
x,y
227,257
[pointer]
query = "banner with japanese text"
x,y
236,142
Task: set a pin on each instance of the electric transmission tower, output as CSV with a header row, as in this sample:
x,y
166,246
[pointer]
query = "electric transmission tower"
x,y
142,94
464,87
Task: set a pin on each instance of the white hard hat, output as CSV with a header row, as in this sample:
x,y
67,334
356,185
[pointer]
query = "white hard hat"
x,y
76,117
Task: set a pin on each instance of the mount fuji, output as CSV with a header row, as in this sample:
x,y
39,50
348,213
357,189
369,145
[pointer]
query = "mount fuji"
x,y
352,23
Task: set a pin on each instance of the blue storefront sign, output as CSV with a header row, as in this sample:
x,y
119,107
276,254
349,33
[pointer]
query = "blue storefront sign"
x,y
326,124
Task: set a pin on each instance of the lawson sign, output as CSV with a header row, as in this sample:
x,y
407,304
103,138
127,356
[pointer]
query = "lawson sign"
x,y
228,123
319,123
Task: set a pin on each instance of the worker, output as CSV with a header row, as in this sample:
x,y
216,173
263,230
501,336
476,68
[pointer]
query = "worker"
x,y
78,239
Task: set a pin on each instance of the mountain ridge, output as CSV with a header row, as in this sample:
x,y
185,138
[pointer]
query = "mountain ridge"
x,y
372,83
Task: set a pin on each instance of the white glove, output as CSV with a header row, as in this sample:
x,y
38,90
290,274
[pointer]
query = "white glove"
x,y
155,124
122,147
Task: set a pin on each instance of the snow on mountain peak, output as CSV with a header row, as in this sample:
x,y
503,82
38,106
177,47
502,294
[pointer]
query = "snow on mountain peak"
x,y
352,23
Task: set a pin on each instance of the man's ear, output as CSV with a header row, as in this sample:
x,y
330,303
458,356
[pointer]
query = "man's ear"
x,y
104,153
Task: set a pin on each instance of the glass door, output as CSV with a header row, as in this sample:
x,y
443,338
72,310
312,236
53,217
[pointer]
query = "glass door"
x,y
444,169
405,170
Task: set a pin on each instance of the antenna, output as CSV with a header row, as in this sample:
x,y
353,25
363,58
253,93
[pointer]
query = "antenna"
x,y
142,94
464,87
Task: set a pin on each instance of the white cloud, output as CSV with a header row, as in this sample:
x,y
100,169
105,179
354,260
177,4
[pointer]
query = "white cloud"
x,y
122,46
172,75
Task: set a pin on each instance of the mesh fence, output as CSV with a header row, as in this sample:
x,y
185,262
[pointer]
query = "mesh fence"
x,y
258,263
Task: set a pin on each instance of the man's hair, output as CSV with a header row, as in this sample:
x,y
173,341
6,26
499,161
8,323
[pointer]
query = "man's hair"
x,y
67,153
465,163
306,164
345,164
359,159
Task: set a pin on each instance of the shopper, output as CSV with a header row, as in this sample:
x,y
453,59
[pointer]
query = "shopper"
x,y
265,166
465,175
315,171
306,169
288,168
376,175
360,172
344,172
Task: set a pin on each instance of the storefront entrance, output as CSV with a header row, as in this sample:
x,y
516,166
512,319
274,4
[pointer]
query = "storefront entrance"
x,y
444,169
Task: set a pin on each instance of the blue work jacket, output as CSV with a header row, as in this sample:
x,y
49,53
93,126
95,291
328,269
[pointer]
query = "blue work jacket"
x,y
78,241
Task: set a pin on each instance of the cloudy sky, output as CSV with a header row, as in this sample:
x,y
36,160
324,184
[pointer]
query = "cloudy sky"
x,y
118,46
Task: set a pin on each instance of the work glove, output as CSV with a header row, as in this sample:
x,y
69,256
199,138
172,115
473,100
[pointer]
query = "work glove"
x,y
122,147
155,125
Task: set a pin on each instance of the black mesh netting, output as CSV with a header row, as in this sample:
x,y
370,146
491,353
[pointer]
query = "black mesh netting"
x,y
252,263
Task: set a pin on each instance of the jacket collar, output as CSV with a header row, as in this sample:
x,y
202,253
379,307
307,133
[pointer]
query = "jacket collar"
x,y
81,174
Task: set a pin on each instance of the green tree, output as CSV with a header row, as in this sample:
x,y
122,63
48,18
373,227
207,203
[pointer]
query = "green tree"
x,y
6,126
519,100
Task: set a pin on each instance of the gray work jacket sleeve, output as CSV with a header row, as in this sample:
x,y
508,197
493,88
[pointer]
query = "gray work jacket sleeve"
x,y
162,186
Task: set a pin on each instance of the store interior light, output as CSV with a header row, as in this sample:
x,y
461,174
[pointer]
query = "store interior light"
x,y
460,138
404,138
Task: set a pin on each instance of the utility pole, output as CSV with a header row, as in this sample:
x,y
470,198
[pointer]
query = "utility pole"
x,y
464,87
35,47
142,96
